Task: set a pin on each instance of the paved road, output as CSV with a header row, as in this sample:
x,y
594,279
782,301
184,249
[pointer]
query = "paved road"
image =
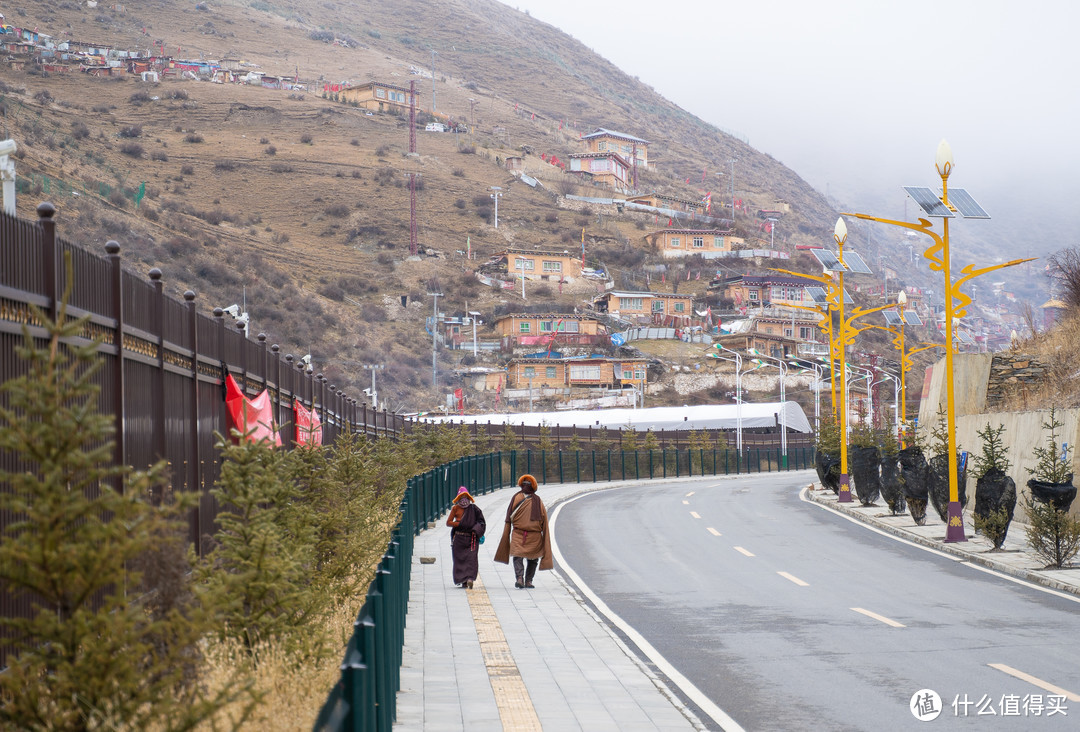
x,y
787,616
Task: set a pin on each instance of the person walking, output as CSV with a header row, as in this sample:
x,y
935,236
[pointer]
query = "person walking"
x,y
467,526
526,536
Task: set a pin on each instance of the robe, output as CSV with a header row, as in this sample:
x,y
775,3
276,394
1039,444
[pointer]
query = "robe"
x,y
467,526
524,536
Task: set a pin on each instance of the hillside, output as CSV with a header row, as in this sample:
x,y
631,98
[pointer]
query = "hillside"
x,y
299,204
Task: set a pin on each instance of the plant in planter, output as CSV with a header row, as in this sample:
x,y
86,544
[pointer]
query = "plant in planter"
x,y
1051,480
914,474
827,454
863,461
939,469
892,487
995,492
1052,533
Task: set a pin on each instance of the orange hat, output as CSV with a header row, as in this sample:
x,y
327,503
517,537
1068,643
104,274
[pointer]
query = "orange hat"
x,y
463,492
527,479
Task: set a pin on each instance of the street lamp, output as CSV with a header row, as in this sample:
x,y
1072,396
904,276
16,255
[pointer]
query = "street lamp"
x,y
818,370
521,264
956,301
373,367
840,237
772,232
497,192
736,357
474,315
782,365
896,397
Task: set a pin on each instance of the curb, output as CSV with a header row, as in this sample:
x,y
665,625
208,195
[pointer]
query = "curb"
x,y
1033,576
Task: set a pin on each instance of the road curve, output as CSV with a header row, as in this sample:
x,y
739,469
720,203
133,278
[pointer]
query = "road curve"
x,y
789,617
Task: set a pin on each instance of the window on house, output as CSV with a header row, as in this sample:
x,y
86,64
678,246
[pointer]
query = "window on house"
x,y
522,263
639,373
787,332
631,303
545,326
676,242
397,97
752,295
699,242
718,242
658,306
549,372
601,146
571,326
525,327
552,266
584,372
380,93
680,307
530,372
627,373
805,333
601,165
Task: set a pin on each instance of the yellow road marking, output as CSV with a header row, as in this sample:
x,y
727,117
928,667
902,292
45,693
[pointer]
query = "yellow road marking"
x,y
511,697
695,514
881,618
742,551
713,531
1034,681
794,579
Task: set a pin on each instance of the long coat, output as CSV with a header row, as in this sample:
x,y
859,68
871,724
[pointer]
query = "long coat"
x,y
524,536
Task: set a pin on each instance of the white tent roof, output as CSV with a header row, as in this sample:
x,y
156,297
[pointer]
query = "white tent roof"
x,y
705,416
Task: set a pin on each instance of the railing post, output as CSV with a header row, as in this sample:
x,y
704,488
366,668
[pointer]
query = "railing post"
x,y
112,248
194,471
158,425
49,255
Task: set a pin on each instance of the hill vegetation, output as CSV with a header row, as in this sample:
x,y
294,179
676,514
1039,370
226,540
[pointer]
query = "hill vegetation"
x,y
298,204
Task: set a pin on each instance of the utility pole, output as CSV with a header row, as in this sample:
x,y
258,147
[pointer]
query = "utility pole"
x,y
472,112
433,54
434,335
772,232
373,367
521,263
473,314
733,161
497,192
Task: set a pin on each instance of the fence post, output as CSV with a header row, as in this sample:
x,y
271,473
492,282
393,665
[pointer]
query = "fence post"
x,y
45,212
194,459
112,248
158,426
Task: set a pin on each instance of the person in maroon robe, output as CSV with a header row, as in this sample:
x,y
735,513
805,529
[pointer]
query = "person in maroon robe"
x,y
526,534
467,526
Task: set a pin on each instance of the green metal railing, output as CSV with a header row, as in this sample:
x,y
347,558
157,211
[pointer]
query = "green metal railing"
x,y
365,696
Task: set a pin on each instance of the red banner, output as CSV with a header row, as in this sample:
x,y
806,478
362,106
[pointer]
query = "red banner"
x,y
308,426
253,418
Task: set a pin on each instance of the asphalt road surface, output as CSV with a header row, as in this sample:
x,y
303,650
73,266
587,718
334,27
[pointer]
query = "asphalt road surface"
x,y
787,616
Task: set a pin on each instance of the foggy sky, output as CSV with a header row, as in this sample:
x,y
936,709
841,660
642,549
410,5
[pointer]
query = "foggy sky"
x,y
854,95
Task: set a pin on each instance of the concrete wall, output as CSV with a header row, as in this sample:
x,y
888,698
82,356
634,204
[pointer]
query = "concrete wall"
x,y
1023,430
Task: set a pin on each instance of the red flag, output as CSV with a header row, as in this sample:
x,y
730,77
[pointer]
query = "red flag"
x,y
533,115
687,275
460,397
663,277
669,222
560,124
698,275
308,426
253,418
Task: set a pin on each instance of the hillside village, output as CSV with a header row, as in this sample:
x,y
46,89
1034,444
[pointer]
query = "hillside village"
x,y
619,309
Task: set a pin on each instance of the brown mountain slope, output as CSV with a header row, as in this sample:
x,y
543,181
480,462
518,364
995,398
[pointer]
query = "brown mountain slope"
x,y
316,234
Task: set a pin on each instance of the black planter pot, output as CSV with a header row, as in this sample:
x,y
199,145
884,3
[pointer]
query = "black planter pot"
x,y
914,473
993,492
939,484
892,487
1059,495
828,470
863,462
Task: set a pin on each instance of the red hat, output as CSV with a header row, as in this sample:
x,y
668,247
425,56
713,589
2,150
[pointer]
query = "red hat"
x,y
463,492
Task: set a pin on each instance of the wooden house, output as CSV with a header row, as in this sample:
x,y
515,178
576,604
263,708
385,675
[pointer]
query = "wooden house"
x,y
379,97
538,328
602,140
657,307
767,343
536,264
760,290
606,168
709,243
593,372
671,203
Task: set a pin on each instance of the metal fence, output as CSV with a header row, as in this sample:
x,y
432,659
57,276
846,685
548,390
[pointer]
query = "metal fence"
x,y
365,697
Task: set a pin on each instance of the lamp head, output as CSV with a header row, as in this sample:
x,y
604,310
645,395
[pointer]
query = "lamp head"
x,y
902,298
943,160
840,231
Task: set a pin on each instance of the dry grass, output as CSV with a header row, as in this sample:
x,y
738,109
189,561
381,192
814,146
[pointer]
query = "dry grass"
x,y
1057,348
289,687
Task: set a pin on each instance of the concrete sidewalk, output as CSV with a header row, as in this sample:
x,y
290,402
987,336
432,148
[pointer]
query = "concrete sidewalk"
x,y
496,657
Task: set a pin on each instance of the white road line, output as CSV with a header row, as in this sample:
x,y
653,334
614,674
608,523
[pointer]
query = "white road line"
x,y
881,618
713,531
1035,681
794,579
868,527
703,702
742,551
686,503
695,514
690,494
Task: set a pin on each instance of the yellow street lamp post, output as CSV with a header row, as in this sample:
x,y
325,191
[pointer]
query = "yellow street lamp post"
x,y
840,237
956,301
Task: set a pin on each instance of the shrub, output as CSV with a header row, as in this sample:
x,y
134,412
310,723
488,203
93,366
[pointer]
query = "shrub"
x,y
460,203
192,137
354,142
131,131
466,148
305,138
79,130
458,173
382,151
264,140
337,210
187,170
43,96
225,165
551,217
132,149
994,527
139,98
177,94
280,168
1053,460
160,156
1052,533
